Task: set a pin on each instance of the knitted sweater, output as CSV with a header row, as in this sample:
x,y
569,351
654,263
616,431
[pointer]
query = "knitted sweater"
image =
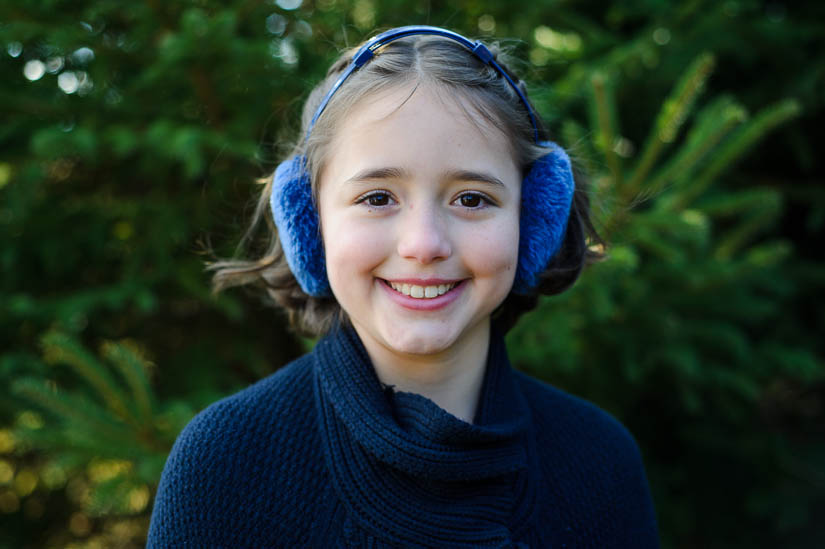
x,y
321,454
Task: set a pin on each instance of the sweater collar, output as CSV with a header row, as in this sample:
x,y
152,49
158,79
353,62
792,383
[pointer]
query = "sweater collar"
x,y
409,431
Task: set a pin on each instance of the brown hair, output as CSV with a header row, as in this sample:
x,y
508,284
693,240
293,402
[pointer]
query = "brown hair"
x,y
412,60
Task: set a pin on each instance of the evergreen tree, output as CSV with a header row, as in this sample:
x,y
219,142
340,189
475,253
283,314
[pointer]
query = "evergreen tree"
x,y
132,138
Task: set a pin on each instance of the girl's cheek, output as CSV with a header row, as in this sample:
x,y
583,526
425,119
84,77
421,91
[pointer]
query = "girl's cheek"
x,y
352,247
493,252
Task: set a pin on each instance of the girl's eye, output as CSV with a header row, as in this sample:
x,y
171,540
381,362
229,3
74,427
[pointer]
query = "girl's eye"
x,y
473,200
376,199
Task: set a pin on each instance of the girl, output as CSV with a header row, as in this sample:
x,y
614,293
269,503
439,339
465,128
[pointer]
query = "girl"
x,y
420,215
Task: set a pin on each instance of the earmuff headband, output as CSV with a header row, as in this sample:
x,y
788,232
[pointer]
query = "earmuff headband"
x,y
367,52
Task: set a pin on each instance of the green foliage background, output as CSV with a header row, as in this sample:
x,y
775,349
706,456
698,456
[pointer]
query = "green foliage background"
x,y
132,138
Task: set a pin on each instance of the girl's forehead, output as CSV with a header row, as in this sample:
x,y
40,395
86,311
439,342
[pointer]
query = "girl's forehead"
x,y
420,132
425,110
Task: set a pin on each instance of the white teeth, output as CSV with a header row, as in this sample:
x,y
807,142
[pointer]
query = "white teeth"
x,y
422,292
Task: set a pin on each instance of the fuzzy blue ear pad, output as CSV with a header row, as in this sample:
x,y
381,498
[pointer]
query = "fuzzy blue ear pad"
x,y
296,218
546,195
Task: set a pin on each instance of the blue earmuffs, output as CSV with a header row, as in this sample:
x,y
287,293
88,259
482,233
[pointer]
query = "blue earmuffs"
x,y
546,191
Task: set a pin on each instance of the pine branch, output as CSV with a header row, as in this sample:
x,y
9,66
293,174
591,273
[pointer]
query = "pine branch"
x,y
671,237
76,443
111,496
766,255
603,106
80,413
649,239
758,207
672,116
713,123
133,369
60,348
736,146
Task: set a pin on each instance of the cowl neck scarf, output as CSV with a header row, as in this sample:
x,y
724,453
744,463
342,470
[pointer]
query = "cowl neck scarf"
x,y
408,472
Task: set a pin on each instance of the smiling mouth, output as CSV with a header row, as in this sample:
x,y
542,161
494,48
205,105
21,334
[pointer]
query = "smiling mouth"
x,y
421,292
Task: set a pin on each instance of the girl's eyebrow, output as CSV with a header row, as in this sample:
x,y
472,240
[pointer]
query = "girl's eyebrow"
x,y
469,175
400,173
378,173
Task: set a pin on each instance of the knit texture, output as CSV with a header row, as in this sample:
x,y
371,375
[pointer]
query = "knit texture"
x,y
321,454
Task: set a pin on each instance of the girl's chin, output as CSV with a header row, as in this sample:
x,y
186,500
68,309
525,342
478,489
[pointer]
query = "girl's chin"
x,y
419,343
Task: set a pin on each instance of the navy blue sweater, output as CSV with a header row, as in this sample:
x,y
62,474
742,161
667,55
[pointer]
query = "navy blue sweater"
x,y
321,454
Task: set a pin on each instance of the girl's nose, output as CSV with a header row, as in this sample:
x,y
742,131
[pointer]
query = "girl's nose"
x,y
423,235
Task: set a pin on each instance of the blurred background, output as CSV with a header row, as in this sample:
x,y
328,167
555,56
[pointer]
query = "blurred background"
x,y
134,133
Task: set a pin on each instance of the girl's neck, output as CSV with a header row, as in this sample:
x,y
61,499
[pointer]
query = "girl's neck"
x,y
452,379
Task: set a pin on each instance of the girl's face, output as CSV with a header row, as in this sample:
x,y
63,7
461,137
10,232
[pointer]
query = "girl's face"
x,y
419,211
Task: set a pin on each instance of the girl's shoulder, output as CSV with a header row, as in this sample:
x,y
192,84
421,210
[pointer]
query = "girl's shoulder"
x,y
271,417
566,421
232,456
282,400
591,461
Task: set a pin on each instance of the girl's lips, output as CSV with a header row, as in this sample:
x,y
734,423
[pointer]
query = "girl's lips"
x,y
424,281
423,303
